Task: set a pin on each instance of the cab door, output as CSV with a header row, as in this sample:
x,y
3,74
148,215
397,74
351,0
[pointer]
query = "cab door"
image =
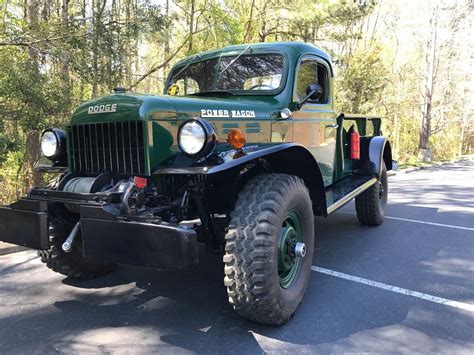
x,y
314,125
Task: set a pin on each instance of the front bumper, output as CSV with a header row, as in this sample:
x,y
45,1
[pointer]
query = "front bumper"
x,y
105,237
157,246
25,223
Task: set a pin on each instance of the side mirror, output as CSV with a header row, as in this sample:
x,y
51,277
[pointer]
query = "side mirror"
x,y
313,92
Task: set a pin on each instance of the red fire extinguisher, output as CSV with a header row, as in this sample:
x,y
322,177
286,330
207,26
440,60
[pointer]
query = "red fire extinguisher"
x,y
354,144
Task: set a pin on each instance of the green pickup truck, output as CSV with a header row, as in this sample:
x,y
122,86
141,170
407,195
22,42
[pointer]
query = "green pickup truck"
x,y
240,153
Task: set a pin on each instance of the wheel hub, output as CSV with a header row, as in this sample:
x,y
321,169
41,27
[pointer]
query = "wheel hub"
x,y
300,250
287,234
291,249
381,190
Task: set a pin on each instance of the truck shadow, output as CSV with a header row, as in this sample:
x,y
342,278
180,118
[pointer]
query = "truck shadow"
x,y
142,310
193,303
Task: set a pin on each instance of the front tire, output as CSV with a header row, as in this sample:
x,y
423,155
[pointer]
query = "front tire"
x,y
266,270
72,264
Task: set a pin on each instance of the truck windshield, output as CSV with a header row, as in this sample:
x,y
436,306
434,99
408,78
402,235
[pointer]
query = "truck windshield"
x,y
247,74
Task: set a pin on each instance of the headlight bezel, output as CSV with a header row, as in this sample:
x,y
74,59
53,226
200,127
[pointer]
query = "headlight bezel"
x,y
60,155
210,138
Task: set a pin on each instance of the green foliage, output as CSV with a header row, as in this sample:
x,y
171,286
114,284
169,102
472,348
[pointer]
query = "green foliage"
x,y
361,79
5,146
51,61
446,145
11,179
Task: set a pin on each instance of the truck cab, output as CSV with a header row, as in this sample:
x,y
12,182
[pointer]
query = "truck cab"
x,y
269,77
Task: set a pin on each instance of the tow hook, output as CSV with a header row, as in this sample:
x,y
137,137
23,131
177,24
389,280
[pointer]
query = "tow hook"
x,y
67,245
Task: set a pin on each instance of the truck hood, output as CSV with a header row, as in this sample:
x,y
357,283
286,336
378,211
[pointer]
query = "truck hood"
x,y
163,115
125,106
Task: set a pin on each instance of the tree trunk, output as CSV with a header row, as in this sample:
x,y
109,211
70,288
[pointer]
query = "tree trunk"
x,y
64,57
467,136
97,11
32,155
32,136
25,9
191,26
167,41
128,54
263,27
248,31
425,130
45,12
33,8
94,49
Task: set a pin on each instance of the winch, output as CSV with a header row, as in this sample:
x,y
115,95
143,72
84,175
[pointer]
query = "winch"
x,y
74,184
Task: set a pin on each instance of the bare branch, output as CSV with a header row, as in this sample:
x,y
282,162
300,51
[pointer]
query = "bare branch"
x,y
156,66
31,44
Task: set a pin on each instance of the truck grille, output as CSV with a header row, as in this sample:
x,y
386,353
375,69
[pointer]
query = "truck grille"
x,y
107,147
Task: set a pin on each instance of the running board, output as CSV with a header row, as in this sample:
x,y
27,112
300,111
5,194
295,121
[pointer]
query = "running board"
x,y
342,192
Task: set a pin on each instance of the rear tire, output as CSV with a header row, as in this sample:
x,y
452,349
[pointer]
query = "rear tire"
x,y
72,264
265,279
371,204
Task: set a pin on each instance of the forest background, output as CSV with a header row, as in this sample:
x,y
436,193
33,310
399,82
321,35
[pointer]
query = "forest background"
x,y
410,62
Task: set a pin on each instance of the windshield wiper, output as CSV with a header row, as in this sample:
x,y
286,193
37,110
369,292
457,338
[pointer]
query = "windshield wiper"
x,y
213,92
192,61
234,60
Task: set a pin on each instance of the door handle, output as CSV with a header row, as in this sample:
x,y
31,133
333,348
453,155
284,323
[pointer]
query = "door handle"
x,y
333,125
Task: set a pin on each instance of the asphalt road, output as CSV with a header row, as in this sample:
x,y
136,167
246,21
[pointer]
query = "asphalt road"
x,y
366,304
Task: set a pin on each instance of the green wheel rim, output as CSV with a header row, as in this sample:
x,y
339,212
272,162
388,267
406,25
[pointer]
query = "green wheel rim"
x,y
288,264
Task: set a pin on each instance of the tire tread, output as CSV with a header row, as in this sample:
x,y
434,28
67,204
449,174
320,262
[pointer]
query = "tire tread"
x,y
367,204
250,252
71,264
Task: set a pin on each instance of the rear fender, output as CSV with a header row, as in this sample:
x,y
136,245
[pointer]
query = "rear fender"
x,y
379,150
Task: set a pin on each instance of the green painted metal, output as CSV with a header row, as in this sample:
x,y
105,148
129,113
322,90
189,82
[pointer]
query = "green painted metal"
x,y
129,107
288,264
164,113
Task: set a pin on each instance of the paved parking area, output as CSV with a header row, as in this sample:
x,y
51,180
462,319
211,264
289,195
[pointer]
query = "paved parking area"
x,y
406,286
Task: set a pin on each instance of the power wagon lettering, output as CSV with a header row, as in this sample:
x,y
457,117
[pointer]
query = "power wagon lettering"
x,y
227,113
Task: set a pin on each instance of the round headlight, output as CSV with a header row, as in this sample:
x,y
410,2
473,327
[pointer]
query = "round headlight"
x,y
49,144
53,145
192,137
196,138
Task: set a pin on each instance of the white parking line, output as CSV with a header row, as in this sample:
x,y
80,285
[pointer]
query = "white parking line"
x,y
422,222
444,301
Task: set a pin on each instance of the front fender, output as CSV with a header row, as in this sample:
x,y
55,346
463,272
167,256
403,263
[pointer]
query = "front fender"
x,y
286,158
